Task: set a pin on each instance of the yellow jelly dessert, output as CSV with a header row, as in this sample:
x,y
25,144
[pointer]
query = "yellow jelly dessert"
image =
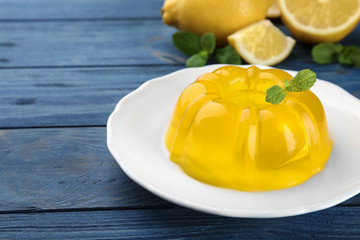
x,y
224,133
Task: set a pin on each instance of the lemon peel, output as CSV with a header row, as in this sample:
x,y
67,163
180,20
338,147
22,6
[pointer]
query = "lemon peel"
x,y
315,21
262,43
214,16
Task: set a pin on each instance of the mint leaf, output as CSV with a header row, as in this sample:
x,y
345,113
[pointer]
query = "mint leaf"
x,y
227,55
353,54
275,95
303,81
345,59
345,56
204,54
208,42
197,60
326,52
287,86
187,42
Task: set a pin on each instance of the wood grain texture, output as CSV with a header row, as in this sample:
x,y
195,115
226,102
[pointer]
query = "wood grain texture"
x,y
67,63
64,168
86,43
69,168
67,97
112,43
334,223
87,96
78,9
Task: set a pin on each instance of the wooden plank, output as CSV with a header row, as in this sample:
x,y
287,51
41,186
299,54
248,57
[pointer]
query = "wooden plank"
x,y
64,168
67,97
57,168
87,43
87,96
113,42
335,223
78,9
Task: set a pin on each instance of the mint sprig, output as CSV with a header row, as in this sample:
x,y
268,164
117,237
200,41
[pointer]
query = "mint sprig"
x,y
325,53
302,81
201,48
227,55
350,56
197,60
186,42
275,94
208,42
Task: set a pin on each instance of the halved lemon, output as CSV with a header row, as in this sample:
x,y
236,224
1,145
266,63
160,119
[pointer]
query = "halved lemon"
x,y
316,21
261,43
274,10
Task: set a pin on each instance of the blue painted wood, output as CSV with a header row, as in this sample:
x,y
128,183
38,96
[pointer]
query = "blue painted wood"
x,y
87,96
67,97
87,43
181,224
78,9
113,42
70,168
67,63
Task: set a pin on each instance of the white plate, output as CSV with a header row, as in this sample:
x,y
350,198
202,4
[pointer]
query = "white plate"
x,y
136,128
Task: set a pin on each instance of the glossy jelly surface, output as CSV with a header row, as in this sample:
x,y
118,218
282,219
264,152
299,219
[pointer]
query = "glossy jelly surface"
x,y
224,133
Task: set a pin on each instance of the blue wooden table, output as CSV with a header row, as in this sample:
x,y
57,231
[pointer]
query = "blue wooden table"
x,y
63,67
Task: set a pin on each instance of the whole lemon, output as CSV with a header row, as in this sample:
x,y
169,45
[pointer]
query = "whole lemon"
x,y
221,17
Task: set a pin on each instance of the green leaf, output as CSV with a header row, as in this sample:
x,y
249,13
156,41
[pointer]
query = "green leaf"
x,y
344,57
227,55
326,52
275,95
208,42
352,54
287,86
355,57
197,60
204,54
303,80
187,42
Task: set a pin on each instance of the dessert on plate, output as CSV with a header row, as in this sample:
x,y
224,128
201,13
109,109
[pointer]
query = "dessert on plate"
x,y
223,132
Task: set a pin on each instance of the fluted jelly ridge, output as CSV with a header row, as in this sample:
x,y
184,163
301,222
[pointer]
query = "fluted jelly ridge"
x,y
224,133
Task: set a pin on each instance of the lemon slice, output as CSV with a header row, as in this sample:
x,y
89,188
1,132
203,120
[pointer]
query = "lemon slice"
x,y
261,43
274,10
316,21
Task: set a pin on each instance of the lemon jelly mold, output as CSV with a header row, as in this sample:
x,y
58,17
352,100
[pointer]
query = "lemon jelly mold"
x,y
224,133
